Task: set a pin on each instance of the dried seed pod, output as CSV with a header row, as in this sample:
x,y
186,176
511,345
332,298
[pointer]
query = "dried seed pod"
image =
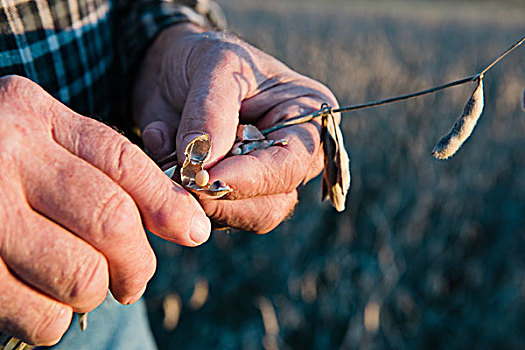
x,y
199,148
246,147
218,185
193,176
236,149
336,174
170,172
196,152
217,189
462,129
249,133
202,178
189,171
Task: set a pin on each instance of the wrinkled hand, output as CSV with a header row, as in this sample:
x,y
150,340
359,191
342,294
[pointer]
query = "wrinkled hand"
x,y
193,82
71,190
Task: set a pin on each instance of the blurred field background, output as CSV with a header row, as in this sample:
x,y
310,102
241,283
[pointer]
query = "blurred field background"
x,y
428,254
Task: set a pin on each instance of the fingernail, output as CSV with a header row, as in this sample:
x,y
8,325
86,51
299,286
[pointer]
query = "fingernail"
x,y
137,296
188,138
200,229
154,140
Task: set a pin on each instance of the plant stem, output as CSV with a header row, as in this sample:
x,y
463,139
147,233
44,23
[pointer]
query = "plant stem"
x,y
509,50
405,97
324,111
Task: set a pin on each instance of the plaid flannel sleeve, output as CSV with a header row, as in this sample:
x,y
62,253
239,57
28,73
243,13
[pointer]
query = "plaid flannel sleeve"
x,y
140,21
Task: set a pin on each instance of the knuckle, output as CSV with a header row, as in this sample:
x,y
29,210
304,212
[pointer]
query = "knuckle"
x,y
273,214
13,84
164,218
28,105
266,221
116,217
90,283
131,163
147,269
219,47
323,93
10,143
18,90
169,206
216,211
134,278
148,265
51,324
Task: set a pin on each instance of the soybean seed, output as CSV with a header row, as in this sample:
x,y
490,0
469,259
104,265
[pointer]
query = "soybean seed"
x,y
202,178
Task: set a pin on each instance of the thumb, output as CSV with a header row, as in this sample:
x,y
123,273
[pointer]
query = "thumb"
x,y
212,107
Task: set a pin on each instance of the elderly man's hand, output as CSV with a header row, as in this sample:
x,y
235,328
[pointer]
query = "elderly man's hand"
x,y
193,82
74,195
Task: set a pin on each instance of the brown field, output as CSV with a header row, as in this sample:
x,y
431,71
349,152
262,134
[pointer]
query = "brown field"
x,y
428,254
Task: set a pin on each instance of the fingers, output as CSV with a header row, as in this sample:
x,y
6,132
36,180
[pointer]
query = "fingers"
x,y
166,208
159,139
30,315
260,215
159,122
274,170
42,253
219,80
87,202
54,261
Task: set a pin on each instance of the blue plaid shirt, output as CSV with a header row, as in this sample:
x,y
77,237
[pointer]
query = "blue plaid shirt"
x,y
83,51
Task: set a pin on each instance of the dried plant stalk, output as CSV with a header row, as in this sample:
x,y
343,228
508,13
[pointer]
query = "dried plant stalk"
x,y
172,306
336,174
462,129
523,101
82,321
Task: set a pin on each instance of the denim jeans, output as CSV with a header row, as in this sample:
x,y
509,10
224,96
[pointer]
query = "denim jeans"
x,y
111,326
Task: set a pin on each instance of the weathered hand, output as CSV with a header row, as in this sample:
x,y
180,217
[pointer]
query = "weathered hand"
x,y
195,82
74,195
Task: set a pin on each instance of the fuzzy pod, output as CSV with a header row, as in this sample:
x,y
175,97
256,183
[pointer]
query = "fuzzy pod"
x,y
462,129
336,173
